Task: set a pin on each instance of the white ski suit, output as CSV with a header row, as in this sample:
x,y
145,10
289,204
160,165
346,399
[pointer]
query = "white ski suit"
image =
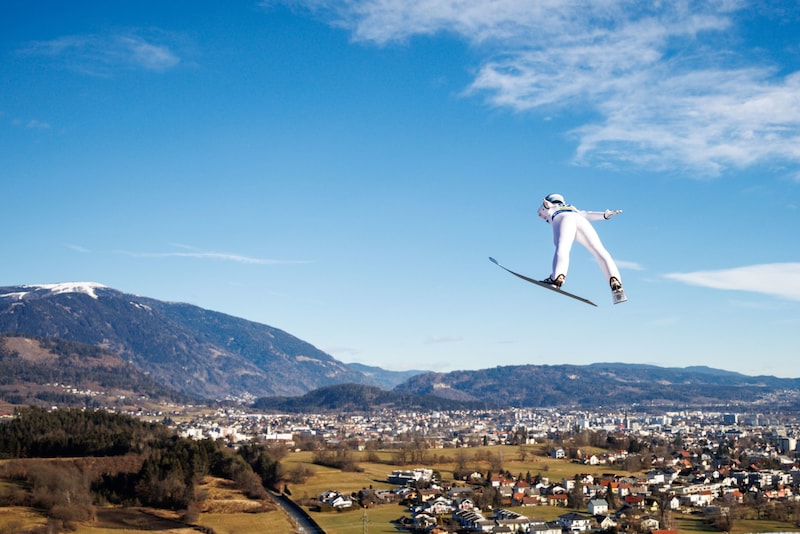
x,y
571,224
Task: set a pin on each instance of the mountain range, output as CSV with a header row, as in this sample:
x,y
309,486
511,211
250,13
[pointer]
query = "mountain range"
x,y
608,385
192,350
89,332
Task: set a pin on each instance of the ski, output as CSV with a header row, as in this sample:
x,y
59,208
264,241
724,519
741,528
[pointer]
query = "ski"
x,y
542,284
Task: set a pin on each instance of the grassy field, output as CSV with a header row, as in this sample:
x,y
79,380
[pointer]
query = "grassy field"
x,y
378,520
228,511
18,518
115,520
689,524
142,521
243,523
225,509
374,474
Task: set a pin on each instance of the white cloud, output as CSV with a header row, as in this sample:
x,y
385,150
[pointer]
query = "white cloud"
x,y
629,265
103,55
147,55
218,256
778,279
663,82
225,256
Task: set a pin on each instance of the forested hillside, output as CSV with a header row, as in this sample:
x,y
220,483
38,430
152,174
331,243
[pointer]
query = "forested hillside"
x,y
607,384
356,397
118,460
52,371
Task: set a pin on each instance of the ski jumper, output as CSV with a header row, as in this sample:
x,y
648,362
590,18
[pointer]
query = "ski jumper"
x,y
571,224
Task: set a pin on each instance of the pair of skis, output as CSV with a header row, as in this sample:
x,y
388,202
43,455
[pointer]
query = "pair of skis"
x,y
618,296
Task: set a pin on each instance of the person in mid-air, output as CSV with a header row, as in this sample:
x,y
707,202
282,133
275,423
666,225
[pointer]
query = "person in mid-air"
x,y
569,225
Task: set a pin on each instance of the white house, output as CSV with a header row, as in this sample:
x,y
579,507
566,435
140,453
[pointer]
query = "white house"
x,y
649,524
473,521
404,476
437,506
573,522
598,507
544,528
335,499
607,523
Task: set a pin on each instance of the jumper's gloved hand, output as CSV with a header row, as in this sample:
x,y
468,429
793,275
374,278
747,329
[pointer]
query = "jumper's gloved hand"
x,y
610,213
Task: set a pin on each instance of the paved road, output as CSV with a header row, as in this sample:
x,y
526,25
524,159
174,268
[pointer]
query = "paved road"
x,y
304,523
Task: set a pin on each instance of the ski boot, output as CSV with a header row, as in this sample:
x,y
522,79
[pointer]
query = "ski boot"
x,y
558,281
617,293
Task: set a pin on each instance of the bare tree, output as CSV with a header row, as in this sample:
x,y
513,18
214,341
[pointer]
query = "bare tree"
x,y
664,500
576,498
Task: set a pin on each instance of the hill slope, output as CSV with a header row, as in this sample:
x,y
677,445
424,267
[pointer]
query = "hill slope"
x,y
192,350
357,397
50,372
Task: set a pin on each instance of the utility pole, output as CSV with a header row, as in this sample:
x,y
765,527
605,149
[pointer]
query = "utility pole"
x,y
364,522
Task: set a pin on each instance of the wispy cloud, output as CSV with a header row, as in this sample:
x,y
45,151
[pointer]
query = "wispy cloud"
x,y
433,340
190,253
30,124
35,124
778,279
103,55
77,248
629,265
663,82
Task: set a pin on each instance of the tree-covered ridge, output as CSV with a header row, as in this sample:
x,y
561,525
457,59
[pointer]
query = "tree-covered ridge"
x,y
154,466
356,397
606,384
40,433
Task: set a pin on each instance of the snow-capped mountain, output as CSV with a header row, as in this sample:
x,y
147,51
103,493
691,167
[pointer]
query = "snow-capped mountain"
x,y
35,291
196,351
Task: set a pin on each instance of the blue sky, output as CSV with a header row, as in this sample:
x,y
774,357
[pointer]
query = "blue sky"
x,y
343,170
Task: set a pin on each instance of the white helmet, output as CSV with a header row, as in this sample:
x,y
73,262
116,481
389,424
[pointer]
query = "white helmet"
x,y
555,198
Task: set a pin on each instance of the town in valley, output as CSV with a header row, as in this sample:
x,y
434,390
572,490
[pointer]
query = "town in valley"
x,y
634,469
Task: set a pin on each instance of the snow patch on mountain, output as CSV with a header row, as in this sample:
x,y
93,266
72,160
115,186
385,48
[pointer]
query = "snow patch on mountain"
x,y
87,288
16,295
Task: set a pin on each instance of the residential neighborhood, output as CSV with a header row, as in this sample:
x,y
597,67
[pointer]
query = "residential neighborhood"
x,y
613,503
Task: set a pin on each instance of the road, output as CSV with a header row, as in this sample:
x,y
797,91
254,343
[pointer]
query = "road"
x,y
303,522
